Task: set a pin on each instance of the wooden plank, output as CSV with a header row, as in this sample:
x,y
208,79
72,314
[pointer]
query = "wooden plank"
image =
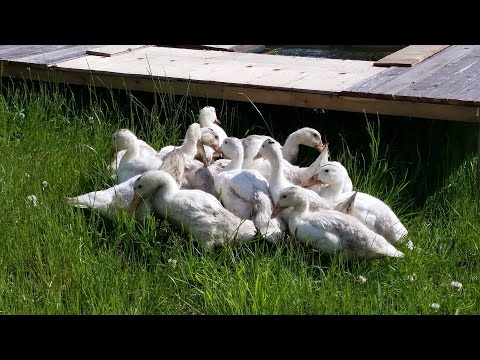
x,y
377,79
51,57
18,51
423,69
456,84
335,80
443,77
410,55
329,75
111,50
256,94
470,92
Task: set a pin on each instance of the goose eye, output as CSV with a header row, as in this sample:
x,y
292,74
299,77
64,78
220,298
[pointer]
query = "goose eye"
x,y
225,142
315,135
326,170
284,196
216,137
139,187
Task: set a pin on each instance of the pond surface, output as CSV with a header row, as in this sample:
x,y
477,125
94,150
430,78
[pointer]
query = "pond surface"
x,y
351,52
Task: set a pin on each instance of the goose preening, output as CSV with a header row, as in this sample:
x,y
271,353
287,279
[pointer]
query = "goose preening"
x,y
208,118
330,230
192,211
245,192
304,136
136,159
109,201
373,212
338,180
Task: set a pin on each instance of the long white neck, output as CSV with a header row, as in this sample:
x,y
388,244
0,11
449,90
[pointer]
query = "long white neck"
x,y
331,191
133,150
278,181
189,146
236,159
291,147
168,189
301,207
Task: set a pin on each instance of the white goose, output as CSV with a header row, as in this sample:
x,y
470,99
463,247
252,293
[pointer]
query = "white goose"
x,y
208,118
304,136
193,211
143,146
340,180
332,231
189,144
112,200
118,197
373,212
271,151
245,193
135,161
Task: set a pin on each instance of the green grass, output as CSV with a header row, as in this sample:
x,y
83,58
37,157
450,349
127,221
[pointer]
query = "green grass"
x,y
55,259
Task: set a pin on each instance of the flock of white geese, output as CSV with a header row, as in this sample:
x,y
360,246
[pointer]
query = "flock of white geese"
x,y
223,189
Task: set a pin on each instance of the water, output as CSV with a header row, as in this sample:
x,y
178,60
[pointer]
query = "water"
x,y
351,52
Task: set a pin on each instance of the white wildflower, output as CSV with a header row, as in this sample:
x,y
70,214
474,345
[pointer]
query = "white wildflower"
x,y
172,262
90,118
44,184
33,199
27,175
457,286
361,279
21,114
435,306
412,277
410,245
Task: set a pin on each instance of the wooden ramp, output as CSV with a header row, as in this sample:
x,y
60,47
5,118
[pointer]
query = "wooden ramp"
x,y
445,85
410,55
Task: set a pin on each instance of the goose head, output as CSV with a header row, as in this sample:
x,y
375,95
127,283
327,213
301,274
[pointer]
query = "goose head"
x,y
269,149
288,197
122,139
208,116
147,184
332,173
309,137
232,148
210,138
194,133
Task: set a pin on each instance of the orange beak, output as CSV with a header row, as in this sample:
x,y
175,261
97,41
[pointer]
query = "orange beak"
x,y
310,181
319,147
276,210
136,200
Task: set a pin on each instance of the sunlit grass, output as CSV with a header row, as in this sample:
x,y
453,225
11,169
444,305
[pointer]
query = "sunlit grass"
x,y
56,259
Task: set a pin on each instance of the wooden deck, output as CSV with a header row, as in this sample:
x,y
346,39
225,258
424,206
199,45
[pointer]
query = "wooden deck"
x,y
443,85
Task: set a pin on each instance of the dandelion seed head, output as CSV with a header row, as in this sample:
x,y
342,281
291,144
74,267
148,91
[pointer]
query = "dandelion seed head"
x,y
172,262
457,286
410,245
44,184
33,199
361,279
435,306
412,277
